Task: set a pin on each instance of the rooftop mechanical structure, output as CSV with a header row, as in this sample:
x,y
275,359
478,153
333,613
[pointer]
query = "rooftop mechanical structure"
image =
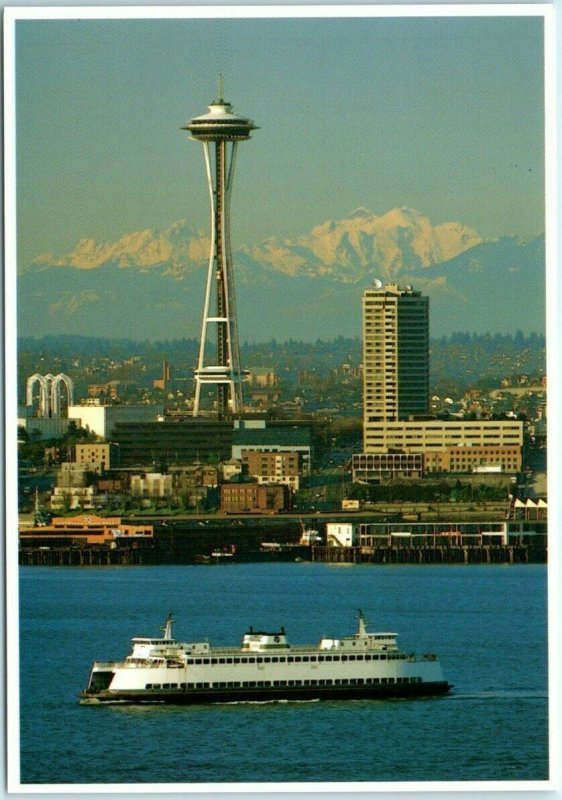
x,y
219,132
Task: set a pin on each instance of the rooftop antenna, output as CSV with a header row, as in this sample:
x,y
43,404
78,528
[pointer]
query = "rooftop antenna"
x,y
221,88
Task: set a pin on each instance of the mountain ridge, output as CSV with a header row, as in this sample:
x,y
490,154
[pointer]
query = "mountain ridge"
x,y
153,281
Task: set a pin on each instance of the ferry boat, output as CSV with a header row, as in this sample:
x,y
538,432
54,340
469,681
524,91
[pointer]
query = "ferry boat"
x,y
264,667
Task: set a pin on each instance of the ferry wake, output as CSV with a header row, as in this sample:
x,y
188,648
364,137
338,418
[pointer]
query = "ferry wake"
x,y
264,667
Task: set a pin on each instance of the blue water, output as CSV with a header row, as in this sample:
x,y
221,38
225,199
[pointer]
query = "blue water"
x,y
487,623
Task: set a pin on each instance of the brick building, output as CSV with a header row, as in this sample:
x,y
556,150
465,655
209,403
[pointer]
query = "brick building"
x,y
253,498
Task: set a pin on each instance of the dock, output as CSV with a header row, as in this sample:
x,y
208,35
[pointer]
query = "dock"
x,y
466,554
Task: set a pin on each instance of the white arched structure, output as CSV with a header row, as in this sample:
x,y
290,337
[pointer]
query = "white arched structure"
x,y
49,393
56,392
43,410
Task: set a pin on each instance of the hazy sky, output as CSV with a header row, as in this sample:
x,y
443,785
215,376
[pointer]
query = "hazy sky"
x,y
445,115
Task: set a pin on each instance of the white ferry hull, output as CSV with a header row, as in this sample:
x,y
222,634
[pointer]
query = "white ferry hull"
x,y
267,694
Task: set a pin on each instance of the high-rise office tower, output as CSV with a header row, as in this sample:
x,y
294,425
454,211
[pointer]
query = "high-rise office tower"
x,y
395,353
219,132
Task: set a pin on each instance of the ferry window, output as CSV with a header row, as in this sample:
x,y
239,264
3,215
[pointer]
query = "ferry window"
x,y
307,683
251,683
148,686
282,683
267,660
276,683
383,680
222,661
305,658
231,684
156,686
229,661
329,682
259,660
274,660
322,658
182,685
337,681
367,658
351,658
290,659
399,680
313,658
245,684
206,685
261,683
298,658
344,658
236,660
282,660
391,680
173,686
375,658
418,680
244,660
359,658
291,683
376,680
360,681
321,682
198,661
383,657
190,661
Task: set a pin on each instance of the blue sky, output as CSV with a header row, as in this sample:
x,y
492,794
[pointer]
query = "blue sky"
x,y
445,115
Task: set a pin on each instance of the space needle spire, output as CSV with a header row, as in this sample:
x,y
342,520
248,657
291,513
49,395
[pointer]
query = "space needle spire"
x,y
219,131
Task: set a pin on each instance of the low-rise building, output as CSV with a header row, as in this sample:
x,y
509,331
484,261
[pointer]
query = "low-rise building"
x,y
369,535
84,529
72,497
102,419
491,458
377,467
151,484
178,442
259,437
342,534
71,474
231,469
44,427
104,454
268,467
445,446
427,435
253,498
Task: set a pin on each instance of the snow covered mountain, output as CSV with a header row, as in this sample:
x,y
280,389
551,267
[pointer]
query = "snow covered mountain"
x,y
149,284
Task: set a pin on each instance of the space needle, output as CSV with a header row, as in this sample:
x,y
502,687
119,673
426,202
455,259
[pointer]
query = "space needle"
x,y
222,128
